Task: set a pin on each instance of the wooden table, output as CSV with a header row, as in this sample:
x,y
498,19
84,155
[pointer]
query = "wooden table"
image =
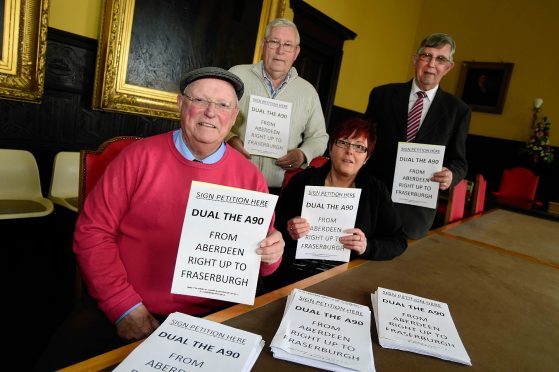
x,y
522,235
504,305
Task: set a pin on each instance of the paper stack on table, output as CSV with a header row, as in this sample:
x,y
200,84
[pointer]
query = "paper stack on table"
x,y
325,333
420,325
187,343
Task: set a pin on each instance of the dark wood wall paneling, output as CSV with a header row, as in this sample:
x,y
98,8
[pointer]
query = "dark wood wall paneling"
x,y
322,49
64,120
38,250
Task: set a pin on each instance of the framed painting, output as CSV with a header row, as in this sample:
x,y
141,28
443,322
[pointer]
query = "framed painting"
x,y
484,85
22,54
145,46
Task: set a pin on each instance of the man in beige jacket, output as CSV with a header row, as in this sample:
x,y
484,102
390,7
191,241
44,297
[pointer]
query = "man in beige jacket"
x,y
275,77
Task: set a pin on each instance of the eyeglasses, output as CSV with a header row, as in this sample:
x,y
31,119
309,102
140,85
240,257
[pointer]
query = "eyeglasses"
x,y
204,103
275,44
345,145
439,60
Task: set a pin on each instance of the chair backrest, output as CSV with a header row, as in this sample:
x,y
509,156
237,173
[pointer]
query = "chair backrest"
x,y
65,180
93,163
19,177
519,183
20,186
319,161
456,202
478,197
288,174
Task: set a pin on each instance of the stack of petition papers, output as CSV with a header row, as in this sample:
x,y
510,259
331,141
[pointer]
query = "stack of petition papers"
x,y
325,333
420,325
187,343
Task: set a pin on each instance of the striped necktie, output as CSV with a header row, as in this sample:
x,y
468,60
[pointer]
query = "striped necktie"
x,y
414,117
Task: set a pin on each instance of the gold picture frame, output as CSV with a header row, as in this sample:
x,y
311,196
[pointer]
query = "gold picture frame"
x,y
111,92
24,45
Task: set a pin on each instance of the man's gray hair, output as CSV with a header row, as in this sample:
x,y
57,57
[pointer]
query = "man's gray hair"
x,y
282,22
438,40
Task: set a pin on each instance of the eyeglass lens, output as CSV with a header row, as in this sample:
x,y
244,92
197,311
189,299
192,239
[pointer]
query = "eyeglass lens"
x,y
356,147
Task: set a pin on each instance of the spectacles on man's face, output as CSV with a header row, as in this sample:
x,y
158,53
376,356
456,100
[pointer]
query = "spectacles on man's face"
x,y
275,44
345,145
439,60
204,103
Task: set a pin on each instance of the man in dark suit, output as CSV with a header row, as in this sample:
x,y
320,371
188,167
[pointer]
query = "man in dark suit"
x,y
443,120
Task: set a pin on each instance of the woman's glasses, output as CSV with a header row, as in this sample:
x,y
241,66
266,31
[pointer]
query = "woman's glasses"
x,y
345,145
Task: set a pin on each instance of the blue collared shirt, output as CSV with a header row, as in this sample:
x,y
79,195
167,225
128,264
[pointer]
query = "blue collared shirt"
x,y
270,86
185,151
128,312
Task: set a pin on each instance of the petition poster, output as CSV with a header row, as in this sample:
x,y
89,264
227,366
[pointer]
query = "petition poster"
x,y
217,251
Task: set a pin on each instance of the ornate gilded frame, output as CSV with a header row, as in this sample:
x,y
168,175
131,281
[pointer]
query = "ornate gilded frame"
x,y
112,93
24,45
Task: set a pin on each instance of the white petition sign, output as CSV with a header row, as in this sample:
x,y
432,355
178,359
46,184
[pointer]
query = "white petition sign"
x,y
329,212
415,165
417,324
267,131
186,343
217,250
325,333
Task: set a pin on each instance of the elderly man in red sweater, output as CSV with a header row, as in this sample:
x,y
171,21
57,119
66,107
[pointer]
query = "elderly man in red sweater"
x,y
127,235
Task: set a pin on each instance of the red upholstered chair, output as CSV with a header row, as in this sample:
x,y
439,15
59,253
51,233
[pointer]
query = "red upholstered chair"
x,y
478,195
287,176
93,163
92,166
317,162
456,203
518,188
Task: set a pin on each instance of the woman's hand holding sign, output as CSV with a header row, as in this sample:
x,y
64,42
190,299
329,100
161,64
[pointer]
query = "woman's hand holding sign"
x,y
298,227
357,241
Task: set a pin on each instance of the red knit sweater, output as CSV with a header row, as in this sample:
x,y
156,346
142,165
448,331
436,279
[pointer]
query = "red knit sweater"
x,y
127,235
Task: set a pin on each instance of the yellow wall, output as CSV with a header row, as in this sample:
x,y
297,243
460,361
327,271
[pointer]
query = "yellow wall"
x,y
381,52
81,17
389,31
524,33
488,31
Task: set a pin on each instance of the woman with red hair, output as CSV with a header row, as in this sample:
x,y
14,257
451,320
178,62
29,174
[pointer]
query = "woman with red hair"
x,y
378,231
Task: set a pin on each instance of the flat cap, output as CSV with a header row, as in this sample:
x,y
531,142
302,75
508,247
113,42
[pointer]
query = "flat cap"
x,y
216,73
